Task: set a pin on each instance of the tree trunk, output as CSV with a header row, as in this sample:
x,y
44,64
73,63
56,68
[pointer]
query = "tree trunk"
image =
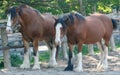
x,y
81,6
90,49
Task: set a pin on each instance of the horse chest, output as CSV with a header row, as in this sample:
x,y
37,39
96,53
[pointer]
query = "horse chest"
x,y
72,39
27,34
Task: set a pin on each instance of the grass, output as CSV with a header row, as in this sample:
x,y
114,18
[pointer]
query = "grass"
x,y
85,50
117,44
1,63
15,60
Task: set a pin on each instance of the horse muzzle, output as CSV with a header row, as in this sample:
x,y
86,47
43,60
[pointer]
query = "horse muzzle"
x,y
9,30
57,42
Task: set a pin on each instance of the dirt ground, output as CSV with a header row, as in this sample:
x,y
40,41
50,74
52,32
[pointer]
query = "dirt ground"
x,y
89,67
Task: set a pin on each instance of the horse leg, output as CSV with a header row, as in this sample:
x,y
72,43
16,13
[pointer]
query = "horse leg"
x,y
103,57
64,50
105,61
57,52
36,55
26,62
79,59
70,63
100,65
52,61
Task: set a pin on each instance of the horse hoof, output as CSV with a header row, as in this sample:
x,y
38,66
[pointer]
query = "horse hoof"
x,y
102,67
78,70
69,68
52,64
36,67
25,66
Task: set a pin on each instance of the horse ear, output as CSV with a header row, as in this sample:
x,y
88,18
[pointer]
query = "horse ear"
x,y
71,18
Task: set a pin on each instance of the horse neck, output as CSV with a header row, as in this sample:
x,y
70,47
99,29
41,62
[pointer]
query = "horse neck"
x,y
26,17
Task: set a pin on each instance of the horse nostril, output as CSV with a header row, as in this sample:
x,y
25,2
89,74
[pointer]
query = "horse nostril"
x,y
8,31
58,42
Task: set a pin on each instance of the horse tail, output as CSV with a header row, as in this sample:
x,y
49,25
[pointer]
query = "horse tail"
x,y
114,24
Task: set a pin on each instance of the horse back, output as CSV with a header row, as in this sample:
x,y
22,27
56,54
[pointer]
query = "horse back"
x,y
98,26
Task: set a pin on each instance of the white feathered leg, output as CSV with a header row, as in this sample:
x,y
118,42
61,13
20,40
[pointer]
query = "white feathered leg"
x,y
79,63
26,62
36,61
52,62
103,58
105,62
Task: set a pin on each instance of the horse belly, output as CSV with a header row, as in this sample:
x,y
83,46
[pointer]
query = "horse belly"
x,y
91,39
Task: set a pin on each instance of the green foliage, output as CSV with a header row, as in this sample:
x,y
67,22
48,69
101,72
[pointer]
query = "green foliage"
x,y
117,44
15,60
85,50
63,6
1,63
44,56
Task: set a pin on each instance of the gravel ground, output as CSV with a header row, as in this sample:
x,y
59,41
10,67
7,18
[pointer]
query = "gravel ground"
x,y
89,67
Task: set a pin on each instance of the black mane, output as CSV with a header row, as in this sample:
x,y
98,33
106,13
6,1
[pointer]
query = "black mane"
x,y
71,18
79,16
60,20
26,6
12,11
68,19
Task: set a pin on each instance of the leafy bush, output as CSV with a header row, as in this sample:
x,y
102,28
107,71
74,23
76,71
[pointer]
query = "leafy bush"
x,y
15,60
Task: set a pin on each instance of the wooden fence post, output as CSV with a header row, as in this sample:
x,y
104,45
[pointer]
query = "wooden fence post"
x,y
90,49
6,55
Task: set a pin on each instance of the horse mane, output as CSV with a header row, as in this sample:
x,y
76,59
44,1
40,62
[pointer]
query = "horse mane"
x,y
12,11
79,16
71,18
26,6
72,15
60,20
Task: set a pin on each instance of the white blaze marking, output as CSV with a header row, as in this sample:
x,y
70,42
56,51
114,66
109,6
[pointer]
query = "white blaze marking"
x,y
57,35
9,23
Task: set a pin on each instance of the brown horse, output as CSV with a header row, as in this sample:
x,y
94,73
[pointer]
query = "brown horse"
x,y
95,28
34,27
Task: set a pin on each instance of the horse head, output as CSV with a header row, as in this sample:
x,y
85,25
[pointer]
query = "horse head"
x,y
61,26
12,21
13,17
